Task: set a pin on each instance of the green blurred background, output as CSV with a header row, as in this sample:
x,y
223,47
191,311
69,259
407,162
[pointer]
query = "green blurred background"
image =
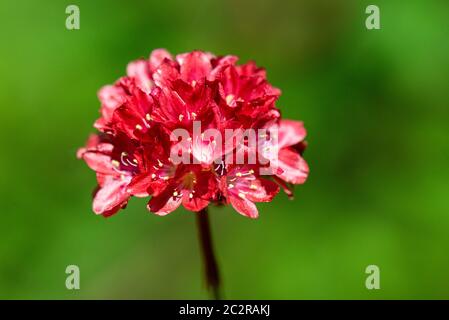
x,y
375,104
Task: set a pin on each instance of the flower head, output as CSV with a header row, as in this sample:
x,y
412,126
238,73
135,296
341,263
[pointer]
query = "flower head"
x,y
193,130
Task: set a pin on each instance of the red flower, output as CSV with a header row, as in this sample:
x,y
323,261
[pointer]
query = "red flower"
x,y
242,187
146,115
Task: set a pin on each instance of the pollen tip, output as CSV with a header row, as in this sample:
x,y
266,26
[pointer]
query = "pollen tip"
x,y
229,98
115,163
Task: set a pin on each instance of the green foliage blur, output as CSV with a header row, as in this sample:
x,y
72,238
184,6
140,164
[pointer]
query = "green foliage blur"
x,y
375,103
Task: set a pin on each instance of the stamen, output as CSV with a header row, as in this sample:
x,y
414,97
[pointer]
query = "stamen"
x,y
115,163
117,170
146,123
179,97
138,127
250,172
131,163
229,98
122,156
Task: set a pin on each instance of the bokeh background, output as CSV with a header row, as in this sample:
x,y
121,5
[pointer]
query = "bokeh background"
x,y
375,104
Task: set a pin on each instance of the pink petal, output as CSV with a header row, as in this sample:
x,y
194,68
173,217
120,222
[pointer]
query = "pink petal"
x,y
295,169
290,133
111,97
157,57
99,162
112,194
140,71
221,63
265,192
244,207
195,65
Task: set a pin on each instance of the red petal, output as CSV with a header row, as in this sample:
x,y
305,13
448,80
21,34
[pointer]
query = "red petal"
x,y
139,185
164,203
125,119
165,74
194,204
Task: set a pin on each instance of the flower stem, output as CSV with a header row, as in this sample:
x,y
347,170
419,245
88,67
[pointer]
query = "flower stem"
x,y
210,263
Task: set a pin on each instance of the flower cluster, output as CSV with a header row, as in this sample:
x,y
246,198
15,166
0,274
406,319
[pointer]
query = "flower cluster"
x,y
133,153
